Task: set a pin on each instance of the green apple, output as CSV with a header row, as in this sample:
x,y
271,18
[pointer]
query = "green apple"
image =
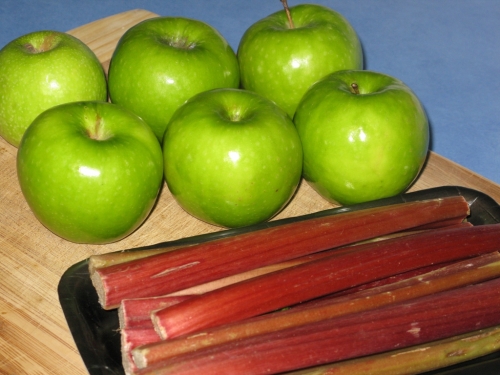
x,y
161,62
90,171
40,70
232,158
281,61
365,136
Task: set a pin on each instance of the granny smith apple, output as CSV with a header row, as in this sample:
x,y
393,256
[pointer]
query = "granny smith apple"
x,y
281,61
365,136
40,70
161,62
232,158
90,171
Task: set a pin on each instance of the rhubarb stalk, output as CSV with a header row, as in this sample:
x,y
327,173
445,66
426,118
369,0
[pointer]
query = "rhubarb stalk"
x,y
136,327
417,359
449,277
367,262
144,319
130,338
233,279
176,270
110,259
219,283
422,320
135,313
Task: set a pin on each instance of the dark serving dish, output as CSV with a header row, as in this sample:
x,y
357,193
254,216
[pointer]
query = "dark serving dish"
x,y
95,330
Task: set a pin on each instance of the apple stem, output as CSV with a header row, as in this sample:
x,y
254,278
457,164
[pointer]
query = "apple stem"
x,y
46,45
97,131
48,42
30,48
181,43
355,88
288,14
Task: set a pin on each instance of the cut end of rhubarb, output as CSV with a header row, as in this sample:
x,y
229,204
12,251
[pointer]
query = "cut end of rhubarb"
x,y
160,330
97,282
140,357
128,364
94,263
121,317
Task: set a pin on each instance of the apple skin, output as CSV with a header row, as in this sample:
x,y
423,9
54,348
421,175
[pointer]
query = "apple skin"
x,y
43,69
281,63
361,147
90,171
161,62
232,158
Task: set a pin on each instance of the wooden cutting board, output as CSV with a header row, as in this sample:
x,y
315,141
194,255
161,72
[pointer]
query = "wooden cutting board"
x,y
34,337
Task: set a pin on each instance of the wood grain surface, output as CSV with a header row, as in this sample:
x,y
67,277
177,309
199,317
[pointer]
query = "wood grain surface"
x,y
34,337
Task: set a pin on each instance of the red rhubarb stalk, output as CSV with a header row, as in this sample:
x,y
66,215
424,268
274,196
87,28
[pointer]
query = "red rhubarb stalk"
x,y
136,312
144,320
389,280
233,279
136,327
133,337
449,277
369,262
130,338
219,283
449,223
118,257
197,264
418,358
401,325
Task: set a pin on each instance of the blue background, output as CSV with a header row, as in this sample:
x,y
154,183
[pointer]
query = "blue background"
x,y
447,51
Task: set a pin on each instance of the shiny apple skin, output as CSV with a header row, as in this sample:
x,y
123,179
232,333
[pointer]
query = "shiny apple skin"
x,y
90,171
33,80
281,63
361,147
161,62
232,158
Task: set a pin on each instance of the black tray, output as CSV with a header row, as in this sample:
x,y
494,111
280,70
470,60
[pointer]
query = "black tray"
x,y
95,330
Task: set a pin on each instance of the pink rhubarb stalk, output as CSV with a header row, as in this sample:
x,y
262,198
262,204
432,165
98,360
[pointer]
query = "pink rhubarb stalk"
x,y
456,275
136,312
197,264
417,359
130,338
367,262
401,325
